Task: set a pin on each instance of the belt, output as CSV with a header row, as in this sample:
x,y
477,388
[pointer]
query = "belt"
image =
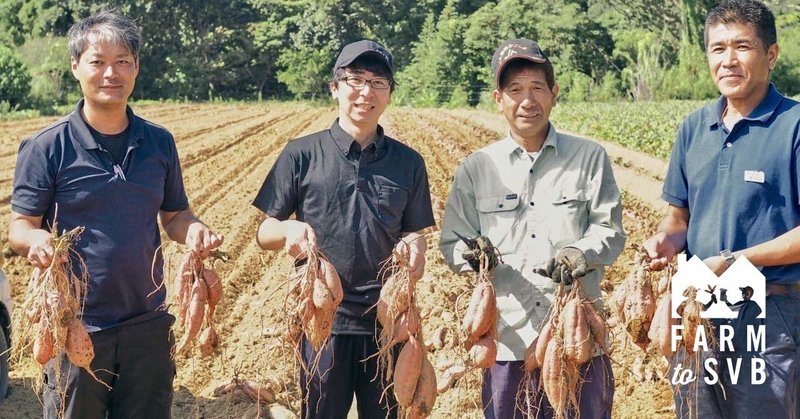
x,y
781,289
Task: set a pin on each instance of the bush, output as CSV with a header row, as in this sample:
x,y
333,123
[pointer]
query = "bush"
x,y
15,81
459,98
609,90
49,65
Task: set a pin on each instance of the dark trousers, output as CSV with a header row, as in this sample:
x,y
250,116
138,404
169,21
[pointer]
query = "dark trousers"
x,y
502,392
134,359
344,370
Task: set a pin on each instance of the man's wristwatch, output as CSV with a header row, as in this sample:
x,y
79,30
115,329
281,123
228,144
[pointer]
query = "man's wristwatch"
x,y
729,259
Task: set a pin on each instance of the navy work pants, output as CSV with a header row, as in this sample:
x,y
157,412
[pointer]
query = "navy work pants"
x,y
133,359
344,370
503,391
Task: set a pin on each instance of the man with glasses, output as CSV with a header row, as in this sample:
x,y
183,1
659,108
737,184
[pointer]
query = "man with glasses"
x,y
355,194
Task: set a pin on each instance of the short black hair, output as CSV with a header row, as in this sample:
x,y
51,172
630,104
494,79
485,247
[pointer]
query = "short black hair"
x,y
519,65
747,12
366,63
108,25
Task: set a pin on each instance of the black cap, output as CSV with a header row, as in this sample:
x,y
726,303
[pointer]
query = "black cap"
x,y
356,49
747,288
513,49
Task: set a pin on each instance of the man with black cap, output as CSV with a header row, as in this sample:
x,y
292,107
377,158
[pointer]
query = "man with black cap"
x,y
549,203
356,195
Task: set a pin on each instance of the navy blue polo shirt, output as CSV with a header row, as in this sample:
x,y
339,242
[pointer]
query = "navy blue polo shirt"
x,y
357,201
740,185
62,166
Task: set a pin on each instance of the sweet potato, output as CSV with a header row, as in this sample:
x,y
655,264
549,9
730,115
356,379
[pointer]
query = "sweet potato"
x,y
332,280
450,377
484,353
425,392
543,340
483,314
578,342
553,377
407,371
42,344
208,341
639,308
690,318
597,326
79,345
258,392
214,287
183,285
661,328
393,300
195,314
406,325
617,299
319,328
530,357
34,313
58,307
321,295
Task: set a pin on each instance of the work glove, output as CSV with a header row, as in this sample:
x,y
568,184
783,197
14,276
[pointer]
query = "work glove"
x,y
568,265
476,247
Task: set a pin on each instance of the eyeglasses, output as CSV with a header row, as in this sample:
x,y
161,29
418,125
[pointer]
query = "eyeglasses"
x,y
360,82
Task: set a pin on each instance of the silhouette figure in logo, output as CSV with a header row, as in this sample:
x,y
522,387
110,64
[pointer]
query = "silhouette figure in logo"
x,y
691,299
747,314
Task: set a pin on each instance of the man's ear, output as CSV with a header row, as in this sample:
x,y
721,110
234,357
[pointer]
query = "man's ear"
x,y
498,97
74,67
555,93
772,56
333,87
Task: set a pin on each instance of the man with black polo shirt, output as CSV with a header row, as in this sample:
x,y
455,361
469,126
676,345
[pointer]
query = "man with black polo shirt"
x,y
115,174
733,190
356,193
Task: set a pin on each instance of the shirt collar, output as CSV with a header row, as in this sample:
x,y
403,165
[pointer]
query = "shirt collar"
x,y
347,143
762,113
510,147
81,133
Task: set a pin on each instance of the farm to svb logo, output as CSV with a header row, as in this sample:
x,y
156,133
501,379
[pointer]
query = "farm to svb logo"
x,y
739,295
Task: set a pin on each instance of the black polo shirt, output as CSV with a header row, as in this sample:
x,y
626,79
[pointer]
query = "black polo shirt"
x,y
357,201
63,168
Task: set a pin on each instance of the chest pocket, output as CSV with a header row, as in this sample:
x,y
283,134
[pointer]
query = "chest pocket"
x,y
497,215
392,202
568,216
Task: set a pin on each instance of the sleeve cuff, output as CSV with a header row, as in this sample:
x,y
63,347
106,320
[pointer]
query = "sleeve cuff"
x,y
672,200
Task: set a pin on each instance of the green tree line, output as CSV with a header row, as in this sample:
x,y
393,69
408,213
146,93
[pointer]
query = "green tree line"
x,y
275,49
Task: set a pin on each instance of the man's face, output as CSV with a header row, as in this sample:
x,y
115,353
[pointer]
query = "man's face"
x,y
739,63
361,106
526,101
106,72
746,295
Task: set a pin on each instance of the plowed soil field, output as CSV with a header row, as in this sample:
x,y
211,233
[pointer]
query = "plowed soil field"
x,y
226,151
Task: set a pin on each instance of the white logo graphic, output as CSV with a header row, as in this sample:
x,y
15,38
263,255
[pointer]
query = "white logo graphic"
x,y
722,297
738,294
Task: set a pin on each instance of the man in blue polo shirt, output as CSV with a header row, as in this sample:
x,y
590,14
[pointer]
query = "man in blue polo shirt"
x,y
733,190
356,193
116,174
